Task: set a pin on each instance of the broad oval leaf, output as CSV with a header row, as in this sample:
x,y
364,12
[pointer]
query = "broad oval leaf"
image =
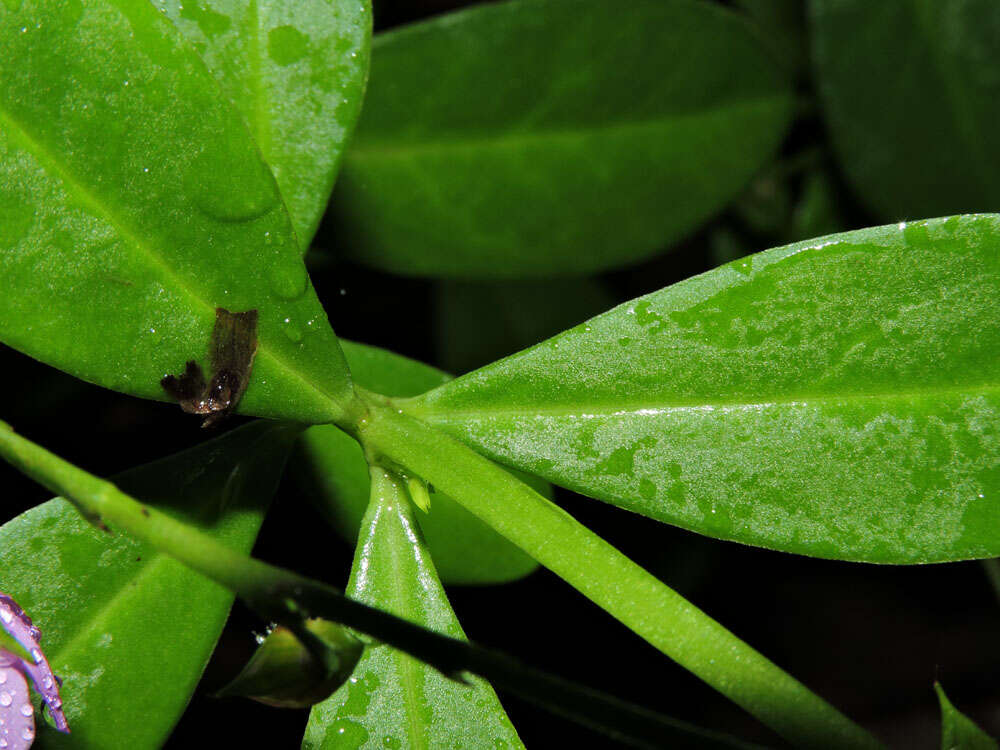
x,y
542,137
296,69
331,466
958,732
393,700
128,629
134,204
837,397
911,93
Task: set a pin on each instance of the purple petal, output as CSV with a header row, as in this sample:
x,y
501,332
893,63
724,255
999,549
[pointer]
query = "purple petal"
x,y
17,716
19,626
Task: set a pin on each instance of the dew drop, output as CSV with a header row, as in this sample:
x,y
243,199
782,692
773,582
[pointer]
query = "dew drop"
x,y
227,187
5,699
288,280
292,332
3,675
27,710
27,733
3,743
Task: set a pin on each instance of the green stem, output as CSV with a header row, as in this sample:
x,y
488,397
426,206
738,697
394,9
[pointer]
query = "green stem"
x,y
612,581
290,599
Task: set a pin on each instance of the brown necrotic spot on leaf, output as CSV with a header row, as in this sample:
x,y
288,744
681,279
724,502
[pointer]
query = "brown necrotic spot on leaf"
x,y
230,353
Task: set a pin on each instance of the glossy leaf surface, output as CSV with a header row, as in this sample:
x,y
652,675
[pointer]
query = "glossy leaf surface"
x,y
332,466
837,397
296,69
958,732
392,700
542,137
135,203
128,629
911,93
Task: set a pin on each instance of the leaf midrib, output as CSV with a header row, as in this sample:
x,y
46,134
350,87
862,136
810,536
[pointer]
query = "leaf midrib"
x,y
442,415
514,139
408,666
154,257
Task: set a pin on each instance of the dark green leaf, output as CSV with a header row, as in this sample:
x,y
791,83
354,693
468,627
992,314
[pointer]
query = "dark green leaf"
x,y
128,629
285,674
332,466
911,91
957,730
837,397
296,69
393,700
134,202
542,137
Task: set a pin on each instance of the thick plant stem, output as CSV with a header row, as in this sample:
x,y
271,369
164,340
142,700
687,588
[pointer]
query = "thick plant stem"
x,y
290,599
612,581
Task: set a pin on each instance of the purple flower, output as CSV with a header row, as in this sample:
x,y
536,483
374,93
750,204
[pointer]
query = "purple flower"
x,y
17,717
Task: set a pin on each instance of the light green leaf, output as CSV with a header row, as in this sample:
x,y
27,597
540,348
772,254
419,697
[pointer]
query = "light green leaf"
x,y
332,468
127,628
837,397
911,93
957,730
542,137
134,202
392,700
296,69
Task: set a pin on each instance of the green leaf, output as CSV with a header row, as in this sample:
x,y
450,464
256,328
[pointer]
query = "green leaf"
x,y
127,628
392,700
911,92
957,731
542,137
332,467
134,202
612,581
283,672
296,69
837,397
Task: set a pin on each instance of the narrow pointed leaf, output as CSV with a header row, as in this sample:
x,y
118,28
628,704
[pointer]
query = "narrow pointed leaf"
x,y
958,732
128,629
393,700
837,397
542,137
331,466
135,203
296,69
911,94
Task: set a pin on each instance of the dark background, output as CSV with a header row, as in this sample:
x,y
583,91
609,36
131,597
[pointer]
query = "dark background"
x,y
871,639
